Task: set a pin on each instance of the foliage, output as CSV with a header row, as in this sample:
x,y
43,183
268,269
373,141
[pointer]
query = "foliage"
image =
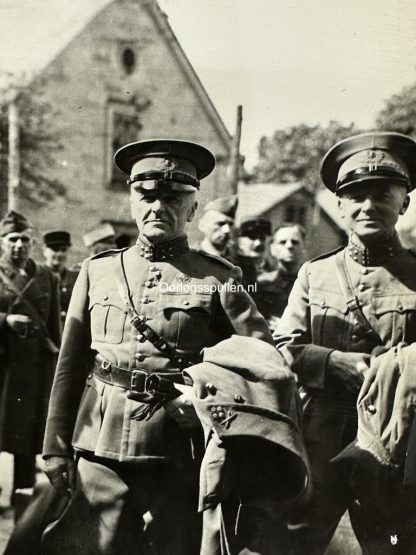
x,y
39,142
399,112
295,154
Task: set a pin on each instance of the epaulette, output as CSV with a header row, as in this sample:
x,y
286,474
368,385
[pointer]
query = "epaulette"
x,y
327,254
107,253
223,261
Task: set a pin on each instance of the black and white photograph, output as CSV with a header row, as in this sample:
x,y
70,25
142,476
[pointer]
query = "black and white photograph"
x,y
207,277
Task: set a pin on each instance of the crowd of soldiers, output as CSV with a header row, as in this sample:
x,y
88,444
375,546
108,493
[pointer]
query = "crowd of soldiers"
x,y
223,400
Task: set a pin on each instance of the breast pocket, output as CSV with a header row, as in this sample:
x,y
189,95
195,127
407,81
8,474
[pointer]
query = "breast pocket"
x,y
395,317
188,318
328,318
108,318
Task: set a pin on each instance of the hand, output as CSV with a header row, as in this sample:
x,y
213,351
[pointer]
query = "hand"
x,y
18,322
350,368
182,409
61,474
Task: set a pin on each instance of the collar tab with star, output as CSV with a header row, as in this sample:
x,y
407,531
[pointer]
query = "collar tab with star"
x,y
377,255
160,252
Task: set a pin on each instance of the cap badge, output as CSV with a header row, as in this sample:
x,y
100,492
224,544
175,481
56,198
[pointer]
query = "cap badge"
x,y
374,158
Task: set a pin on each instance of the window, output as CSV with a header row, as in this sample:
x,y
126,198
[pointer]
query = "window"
x,y
124,127
128,60
295,213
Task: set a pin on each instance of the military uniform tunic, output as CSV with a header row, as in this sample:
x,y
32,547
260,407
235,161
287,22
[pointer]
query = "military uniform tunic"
x,y
27,363
177,291
318,321
98,322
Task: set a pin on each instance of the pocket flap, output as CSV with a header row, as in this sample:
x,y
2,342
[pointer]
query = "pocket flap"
x,y
328,299
185,302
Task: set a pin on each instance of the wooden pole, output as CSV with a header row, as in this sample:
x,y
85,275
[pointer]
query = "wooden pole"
x,y
233,169
13,154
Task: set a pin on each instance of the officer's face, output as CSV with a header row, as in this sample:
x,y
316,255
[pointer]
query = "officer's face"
x,y
56,256
287,246
217,228
161,214
371,211
16,246
252,244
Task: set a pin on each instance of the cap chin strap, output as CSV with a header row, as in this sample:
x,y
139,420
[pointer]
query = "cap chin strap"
x,y
382,171
178,177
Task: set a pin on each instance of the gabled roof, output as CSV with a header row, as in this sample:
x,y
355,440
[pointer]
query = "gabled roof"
x,y
34,32
257,199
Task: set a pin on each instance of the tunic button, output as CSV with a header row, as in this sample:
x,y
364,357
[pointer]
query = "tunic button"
x,y
354,338
364,271
372,409
149,284
238,399
106,297
64,289
153,268
361,287
145,300
221,415
400,307
322,303
139,357
141,338
213,409
144,318
185,303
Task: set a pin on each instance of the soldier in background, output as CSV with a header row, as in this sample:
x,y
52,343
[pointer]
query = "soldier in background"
x,y
30,334
99,239
217,225
274,287
56,249
253,233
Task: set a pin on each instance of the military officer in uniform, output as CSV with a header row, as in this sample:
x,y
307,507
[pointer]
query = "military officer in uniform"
x,y
137,318
344,307
29,338
56,248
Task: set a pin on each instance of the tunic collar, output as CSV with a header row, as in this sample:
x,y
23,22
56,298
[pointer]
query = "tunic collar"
x,y
157,252
377,255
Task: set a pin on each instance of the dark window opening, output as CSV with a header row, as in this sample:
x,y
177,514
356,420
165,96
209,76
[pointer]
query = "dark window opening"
x,y
129,60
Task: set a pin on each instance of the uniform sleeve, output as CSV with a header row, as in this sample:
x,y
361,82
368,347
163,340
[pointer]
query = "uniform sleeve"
x,y
241,310
293,336
54,319
70,373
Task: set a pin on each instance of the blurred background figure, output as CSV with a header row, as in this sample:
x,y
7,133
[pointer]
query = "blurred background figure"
x,y
99,239
30,335
217,225
56,249
274,287
253,234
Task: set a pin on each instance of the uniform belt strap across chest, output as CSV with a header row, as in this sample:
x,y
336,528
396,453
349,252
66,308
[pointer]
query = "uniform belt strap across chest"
x,y
149,333
351,299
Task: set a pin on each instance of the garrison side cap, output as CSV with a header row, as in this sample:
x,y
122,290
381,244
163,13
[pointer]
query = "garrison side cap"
x,y
377,156
166,160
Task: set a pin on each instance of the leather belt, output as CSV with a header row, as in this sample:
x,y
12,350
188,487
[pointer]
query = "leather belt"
x,y
142,386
